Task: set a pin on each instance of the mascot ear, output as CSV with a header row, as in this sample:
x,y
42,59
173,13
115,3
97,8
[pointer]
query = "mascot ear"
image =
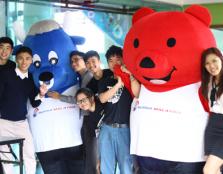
x,y
15,49
144,11
77,40
200,13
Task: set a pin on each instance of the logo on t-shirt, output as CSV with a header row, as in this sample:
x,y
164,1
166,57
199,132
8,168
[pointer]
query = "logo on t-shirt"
x,y
117,95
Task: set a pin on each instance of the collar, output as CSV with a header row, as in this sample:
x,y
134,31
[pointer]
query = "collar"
x,y
20,74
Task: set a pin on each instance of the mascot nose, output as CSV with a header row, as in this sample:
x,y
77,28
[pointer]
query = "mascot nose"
x,y
147,63
45,76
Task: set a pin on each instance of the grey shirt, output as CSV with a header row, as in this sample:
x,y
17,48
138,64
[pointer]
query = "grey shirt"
x,y
85,78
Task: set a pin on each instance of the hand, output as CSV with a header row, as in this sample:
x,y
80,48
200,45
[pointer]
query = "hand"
x,y
98,167
120,82
124,69
54,95
43,90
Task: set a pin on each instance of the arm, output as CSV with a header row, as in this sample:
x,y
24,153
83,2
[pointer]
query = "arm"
x,y
135,85
36,95
63,98
105,96
2,84
203,100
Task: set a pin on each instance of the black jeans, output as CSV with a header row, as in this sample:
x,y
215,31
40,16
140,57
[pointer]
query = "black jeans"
x,y
90,147
1,168
149,165
62,161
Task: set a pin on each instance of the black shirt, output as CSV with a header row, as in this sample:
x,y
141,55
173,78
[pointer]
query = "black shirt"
x,y
9,65
93,118
117,109
14,94
93,84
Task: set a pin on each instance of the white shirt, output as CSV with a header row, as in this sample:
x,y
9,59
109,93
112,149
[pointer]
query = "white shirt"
x,y
169,125
21,74
55,124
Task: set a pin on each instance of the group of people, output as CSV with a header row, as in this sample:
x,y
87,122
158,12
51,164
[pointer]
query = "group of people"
x,y
105,103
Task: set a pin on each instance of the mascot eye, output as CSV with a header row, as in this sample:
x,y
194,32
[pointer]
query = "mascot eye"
x,y
36,60
136,43
53,58
171,42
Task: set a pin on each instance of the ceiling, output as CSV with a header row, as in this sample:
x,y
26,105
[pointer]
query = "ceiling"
x,y
187,2
120,6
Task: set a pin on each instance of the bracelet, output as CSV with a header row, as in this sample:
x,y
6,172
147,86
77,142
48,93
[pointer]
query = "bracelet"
x,y
132,78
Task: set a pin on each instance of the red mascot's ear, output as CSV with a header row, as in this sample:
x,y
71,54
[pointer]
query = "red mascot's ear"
x,y
200,13
141,13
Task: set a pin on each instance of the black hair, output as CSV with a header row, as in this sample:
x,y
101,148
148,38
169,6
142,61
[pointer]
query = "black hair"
x,y
86,91
78,53
90,54
6,40
24,49
113,51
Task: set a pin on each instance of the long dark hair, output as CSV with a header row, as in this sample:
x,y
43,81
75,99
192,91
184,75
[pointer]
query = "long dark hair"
x,y
205,76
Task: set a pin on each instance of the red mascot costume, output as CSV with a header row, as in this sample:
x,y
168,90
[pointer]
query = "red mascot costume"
x,y
163,51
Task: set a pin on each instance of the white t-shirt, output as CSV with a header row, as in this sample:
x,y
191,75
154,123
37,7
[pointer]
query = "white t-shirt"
x,y
169,125
55,124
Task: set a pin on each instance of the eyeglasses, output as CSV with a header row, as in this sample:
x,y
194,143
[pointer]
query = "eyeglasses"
x,y
83,100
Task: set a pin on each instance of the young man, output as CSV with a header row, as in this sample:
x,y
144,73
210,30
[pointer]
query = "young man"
x,y
16,87
114,138
6,48
93,64
78,65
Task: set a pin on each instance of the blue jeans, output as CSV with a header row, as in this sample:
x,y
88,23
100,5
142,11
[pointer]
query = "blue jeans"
x,y
150,165
114,146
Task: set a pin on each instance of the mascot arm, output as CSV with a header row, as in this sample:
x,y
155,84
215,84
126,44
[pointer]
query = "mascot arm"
x,y
129,81
203,100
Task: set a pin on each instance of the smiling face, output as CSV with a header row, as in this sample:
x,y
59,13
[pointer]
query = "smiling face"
x,y
114,60
23,61
83,102
161,57
51,64
77,63
213,65
93,64
5,51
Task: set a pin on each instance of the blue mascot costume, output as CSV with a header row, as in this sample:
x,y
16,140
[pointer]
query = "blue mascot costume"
x,y
55,125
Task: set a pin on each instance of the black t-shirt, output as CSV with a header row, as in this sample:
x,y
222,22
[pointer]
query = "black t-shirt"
x,y
117,109
9,64
93,118
93,84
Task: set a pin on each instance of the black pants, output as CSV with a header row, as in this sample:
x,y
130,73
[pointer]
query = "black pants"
x,y
90,147
1,168
149,165
62,161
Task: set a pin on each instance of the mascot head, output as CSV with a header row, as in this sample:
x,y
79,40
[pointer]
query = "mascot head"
x,y
163,49
51,47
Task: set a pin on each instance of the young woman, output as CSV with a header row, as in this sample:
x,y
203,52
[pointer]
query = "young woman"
x,y
86,101
212,90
